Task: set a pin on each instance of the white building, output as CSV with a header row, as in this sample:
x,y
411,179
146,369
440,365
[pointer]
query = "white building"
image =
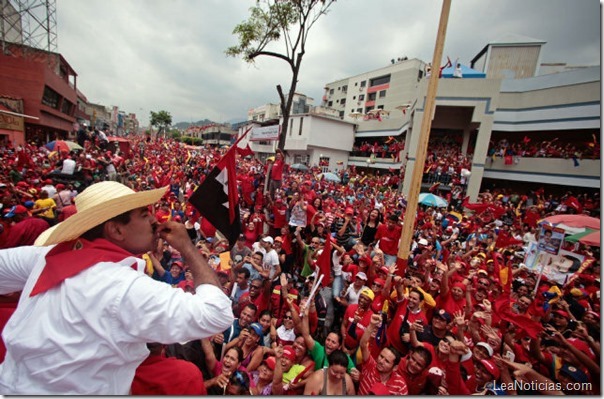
x,y
474,111
316,135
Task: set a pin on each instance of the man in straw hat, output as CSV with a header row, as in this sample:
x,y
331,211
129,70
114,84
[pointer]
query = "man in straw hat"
x,y
87,309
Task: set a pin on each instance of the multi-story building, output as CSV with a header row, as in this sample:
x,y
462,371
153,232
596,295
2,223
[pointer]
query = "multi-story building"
x,y
315,135
46,84
511,101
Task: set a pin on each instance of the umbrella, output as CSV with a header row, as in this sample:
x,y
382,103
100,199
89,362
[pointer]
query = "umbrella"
x,y
575,237
330,177
574,221
592,239
432,200
63,146
298,166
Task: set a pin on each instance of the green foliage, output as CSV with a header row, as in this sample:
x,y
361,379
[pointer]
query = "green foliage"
x,y
287,22
161,120
175,134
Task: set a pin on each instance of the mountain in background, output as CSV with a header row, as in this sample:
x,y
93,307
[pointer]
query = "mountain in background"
x,y
184,125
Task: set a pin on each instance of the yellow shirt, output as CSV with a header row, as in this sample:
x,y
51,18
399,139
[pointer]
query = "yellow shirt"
x,y
46,203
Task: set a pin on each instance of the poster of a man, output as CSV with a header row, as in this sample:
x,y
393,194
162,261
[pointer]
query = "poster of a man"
x,y
550,239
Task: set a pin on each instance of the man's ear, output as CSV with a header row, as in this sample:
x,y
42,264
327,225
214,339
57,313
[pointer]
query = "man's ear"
x,y
113,231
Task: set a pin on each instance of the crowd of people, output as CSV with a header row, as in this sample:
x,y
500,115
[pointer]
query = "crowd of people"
x,y
463,314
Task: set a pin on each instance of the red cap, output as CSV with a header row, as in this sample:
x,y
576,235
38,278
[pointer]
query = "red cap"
x,y
349,211
60,186
48,181
289,353
270,362
491,368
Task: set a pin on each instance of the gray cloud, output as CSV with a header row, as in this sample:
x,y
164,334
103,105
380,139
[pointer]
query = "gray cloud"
x,y
145,55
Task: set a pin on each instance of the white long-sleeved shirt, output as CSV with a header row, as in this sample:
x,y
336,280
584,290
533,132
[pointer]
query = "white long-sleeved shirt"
x,y
88,335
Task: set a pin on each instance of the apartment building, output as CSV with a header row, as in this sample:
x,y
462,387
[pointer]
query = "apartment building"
x,y
508,100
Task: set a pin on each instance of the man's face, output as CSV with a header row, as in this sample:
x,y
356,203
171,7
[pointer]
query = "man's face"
x,y
139,234
385,361
414,300
255,288
241,280
415,363
246,317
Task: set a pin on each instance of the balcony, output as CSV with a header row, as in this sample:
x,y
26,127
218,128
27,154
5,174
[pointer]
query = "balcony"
x,y
546,170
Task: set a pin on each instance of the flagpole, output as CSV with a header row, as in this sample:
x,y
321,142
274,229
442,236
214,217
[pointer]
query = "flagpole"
x,y
422,147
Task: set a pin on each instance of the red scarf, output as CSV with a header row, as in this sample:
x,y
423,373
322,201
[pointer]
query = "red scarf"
x,y
70,258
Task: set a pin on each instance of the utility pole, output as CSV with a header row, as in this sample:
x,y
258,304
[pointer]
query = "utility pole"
x,y
422,147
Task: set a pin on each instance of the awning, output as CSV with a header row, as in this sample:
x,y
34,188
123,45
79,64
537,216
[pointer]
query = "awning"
x,y
18,114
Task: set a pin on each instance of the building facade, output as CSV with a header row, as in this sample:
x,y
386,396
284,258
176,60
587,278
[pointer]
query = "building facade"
x,y
511,101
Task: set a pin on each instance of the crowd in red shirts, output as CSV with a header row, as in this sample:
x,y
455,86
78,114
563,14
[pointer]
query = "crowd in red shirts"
x,y
465,315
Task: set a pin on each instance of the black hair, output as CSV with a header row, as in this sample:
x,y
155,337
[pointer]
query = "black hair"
x,y
338,358
423,352
239,353
251,306
418,292
396,353
97,231
245,271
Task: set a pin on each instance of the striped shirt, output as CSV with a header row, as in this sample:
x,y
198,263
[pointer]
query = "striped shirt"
x,y
369,376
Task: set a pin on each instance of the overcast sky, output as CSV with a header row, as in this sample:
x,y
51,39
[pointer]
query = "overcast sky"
x,y
151,55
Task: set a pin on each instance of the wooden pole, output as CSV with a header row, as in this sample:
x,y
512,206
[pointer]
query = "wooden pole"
x,y
422,147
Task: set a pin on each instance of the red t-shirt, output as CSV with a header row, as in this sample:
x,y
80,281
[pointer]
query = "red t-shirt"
x,y
277,170
388,238
351,342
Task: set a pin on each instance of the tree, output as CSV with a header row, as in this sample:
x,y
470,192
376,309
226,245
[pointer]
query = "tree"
x,y
161,120
270,21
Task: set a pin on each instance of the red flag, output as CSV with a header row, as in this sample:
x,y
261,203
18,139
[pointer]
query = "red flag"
x,y
324,262
244,152
505,240
503,308
217,198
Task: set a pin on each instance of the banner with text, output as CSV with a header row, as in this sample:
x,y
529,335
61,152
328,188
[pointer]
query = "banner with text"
x,y
266,133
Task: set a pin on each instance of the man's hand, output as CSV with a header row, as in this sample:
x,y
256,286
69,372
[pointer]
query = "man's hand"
x,y
175,234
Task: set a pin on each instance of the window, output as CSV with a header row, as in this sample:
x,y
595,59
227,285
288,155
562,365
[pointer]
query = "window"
x,y
363,83
420,74
371,97
359,109
51,98
379,80
382,93
344,89
300,130
367,109
354,97
343,101
331,91
341,114
67,107
324,164
330,103
361,97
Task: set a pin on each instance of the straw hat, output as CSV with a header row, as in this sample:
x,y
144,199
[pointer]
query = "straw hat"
x,y
95,205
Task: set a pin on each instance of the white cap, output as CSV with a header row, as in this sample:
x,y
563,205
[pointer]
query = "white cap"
x,y
268,239
422,241
361,275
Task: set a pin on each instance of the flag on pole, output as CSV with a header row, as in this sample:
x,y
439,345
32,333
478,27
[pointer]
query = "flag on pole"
x,y
324,262
217,199
244,152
